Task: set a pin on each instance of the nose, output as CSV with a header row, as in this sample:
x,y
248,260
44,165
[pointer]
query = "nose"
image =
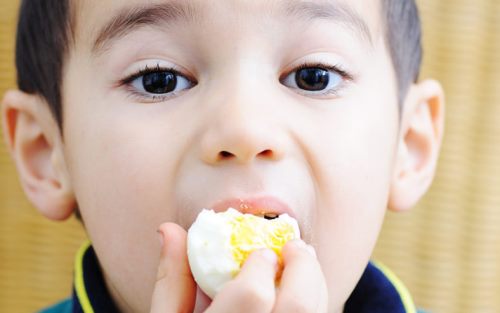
x,y
242,129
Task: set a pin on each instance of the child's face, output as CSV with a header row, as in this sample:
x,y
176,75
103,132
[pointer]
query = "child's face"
x,y
238,127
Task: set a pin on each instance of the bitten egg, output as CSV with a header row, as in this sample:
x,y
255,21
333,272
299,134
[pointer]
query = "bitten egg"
x,y
219,243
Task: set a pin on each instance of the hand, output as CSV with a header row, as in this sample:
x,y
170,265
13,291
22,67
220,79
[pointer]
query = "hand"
x,y
175,288
302,287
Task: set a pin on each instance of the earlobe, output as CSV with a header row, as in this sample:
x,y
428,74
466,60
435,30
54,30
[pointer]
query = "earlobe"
x,y
420,139
34,142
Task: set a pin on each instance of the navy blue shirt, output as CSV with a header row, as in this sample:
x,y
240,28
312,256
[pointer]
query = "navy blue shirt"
x,y
378,290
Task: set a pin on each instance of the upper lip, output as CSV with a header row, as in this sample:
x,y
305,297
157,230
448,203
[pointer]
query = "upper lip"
x,y
257,206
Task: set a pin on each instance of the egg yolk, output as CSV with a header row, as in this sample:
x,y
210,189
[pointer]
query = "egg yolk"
x,y
250,233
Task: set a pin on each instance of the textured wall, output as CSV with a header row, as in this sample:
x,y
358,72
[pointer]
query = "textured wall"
x,y
447,250
36,255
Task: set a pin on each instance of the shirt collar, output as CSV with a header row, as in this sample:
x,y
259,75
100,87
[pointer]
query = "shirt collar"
x,y
90,294
378,291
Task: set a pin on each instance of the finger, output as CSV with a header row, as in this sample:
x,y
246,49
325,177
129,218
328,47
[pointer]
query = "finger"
x,y
175,289
202,301
303,286
253,290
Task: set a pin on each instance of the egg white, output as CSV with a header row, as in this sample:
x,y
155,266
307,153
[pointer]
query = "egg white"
x,y
209,248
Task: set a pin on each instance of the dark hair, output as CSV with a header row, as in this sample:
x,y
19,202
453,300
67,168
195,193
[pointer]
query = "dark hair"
x,y
403,35
44,33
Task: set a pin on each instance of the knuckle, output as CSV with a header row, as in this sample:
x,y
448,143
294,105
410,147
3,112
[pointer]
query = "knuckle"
x,y
255,295
161,282
161,275
297,252
297,304
166,276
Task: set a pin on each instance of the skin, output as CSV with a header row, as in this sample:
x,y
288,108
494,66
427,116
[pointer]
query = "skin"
x,y
135,166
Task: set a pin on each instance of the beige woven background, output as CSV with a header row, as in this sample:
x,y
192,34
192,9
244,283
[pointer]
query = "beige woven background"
x,y
447,250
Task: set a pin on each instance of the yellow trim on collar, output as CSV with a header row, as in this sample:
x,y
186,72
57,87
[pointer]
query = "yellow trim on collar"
x,y
404,294
81,292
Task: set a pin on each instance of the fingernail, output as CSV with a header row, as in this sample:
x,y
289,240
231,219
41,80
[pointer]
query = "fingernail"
x,y
298,243
302,245
311,250
160,237
269,255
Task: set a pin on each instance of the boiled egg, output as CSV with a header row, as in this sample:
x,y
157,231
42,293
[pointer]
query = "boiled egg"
x,y
219,243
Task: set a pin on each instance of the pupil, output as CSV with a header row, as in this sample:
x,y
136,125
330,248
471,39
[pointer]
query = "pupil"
x,y
159,82
312,79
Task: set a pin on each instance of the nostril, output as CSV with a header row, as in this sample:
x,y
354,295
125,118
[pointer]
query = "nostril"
x,y
266,153
225,155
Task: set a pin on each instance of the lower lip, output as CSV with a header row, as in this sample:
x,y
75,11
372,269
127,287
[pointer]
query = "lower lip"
x,y
254,206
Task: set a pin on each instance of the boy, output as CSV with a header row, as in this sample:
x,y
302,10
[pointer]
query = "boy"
x,y
138,114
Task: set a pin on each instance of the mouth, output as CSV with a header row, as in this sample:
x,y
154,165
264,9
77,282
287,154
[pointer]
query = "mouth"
x,y
266,207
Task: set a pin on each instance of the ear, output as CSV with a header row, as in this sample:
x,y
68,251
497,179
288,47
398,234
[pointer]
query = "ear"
x,y
34,142
421,133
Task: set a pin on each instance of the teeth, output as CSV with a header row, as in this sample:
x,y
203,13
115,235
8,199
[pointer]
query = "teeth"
x,y
270,216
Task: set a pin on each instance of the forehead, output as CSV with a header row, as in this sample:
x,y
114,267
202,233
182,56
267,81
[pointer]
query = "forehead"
x,y
97,21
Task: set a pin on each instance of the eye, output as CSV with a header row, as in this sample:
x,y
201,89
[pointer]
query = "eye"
x,y
316,79
157,83
161,82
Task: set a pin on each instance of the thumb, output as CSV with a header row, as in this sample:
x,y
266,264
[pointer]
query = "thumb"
x,y
175,289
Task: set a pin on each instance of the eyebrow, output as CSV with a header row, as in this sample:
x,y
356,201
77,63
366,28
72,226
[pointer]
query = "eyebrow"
x,y
338,12
130,19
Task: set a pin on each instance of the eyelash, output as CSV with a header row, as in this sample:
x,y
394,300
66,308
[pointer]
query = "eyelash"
x,y
337,68
127,82
346,77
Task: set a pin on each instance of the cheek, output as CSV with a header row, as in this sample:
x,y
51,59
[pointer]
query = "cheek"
x,y
123,172
122,157
355,166
119,173
354,161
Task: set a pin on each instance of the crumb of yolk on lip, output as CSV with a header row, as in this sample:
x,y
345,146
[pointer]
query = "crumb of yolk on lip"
x,y
250,233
